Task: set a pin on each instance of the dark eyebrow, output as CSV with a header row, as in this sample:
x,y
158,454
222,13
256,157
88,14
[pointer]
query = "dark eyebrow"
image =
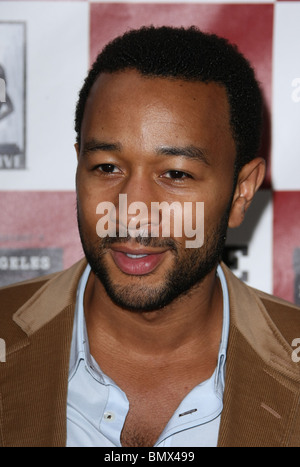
x,y
97,145
191,152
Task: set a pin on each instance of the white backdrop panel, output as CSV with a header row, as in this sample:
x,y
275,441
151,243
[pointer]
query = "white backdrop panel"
x,y
57,38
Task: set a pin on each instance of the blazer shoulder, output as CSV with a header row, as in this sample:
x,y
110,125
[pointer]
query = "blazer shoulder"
x,y
257,314
276,301
32,304
13,296
284,314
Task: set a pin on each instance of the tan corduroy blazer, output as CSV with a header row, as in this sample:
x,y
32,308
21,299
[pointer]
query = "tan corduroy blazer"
x,y
262,387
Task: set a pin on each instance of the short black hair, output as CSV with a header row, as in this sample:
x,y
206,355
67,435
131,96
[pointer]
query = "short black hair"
x,y
192,55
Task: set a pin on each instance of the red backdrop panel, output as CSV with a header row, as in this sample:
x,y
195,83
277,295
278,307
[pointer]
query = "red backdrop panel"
x,y
35,226
286,247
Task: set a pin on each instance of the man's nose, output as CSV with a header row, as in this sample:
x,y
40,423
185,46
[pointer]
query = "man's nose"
x,y
134,207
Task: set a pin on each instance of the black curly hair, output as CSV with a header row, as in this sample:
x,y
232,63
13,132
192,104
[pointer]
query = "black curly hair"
x,y
192,55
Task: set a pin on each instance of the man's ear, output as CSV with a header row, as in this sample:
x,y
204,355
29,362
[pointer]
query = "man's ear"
x,y
249,180
76,146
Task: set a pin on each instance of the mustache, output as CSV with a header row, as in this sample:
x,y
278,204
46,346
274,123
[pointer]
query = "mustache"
x,y
151,242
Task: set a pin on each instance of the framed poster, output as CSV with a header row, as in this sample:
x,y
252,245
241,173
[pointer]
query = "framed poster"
x,y
13,103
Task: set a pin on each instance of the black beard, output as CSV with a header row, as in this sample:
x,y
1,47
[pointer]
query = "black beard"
x,y
191,266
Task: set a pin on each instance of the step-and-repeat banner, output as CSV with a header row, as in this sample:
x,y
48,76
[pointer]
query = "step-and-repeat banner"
x,y
46,48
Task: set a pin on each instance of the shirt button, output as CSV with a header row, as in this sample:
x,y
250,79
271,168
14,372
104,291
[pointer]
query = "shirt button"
x,y
109,416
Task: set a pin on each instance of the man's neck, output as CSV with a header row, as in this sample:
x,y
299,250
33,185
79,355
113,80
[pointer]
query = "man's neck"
x,y
191,321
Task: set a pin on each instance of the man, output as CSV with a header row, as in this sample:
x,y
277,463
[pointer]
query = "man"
x,y
149,342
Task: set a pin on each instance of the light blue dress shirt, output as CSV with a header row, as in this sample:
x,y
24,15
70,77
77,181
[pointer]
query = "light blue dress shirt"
x,y
97,407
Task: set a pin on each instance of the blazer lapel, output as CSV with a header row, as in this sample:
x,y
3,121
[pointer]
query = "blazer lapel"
x,y
261,396
35,376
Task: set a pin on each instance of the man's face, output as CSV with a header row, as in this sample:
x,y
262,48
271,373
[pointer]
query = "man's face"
x,y
155,140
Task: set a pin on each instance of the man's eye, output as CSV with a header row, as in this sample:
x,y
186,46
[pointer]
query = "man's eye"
x,y
176,174
108,168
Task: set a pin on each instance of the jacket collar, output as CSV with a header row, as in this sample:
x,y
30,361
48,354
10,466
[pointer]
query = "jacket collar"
x,y
56,294
262,393
249,315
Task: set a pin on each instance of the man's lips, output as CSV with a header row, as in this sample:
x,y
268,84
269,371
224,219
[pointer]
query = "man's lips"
x,y
137,262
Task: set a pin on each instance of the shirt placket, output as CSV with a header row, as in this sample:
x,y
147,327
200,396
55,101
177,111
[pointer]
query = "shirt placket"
x,y
115,412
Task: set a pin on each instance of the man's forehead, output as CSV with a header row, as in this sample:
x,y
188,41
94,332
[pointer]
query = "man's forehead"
x,y
125,84
157,112
194,111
